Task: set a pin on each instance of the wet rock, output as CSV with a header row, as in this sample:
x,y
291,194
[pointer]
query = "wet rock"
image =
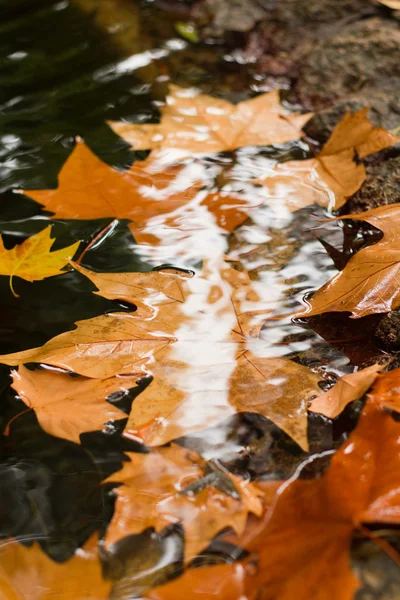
x,y
387,333
283,40
228,15
321,125
360,62
381,187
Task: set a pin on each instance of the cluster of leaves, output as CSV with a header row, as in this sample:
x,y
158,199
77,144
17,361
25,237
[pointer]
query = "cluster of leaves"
x,y
191,341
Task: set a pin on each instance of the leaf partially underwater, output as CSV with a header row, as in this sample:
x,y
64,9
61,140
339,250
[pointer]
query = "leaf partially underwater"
x,y
333,175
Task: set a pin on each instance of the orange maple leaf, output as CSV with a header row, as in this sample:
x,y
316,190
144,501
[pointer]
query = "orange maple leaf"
x,y
333,175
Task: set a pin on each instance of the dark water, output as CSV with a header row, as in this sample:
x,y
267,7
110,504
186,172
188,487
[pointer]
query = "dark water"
x,y
65,71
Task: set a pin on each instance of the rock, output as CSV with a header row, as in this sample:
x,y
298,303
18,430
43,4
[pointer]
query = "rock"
x,y
387,333
321,125
381,187
359,63
228,15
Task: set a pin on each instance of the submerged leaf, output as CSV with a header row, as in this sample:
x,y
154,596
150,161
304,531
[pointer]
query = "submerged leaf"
x,y
90,189
153,495
29,574
225,582
33,260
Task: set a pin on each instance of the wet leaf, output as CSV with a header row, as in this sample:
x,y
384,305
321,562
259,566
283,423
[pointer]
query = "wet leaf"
x,y
65,406
195,124
349,388
154,494
369,282
333,175
28,574
90,189
157,199
198,337
33,259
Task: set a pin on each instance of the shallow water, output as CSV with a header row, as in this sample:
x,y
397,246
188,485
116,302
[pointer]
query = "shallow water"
x,y
66,72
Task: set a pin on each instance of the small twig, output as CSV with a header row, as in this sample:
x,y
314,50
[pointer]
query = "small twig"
x,y
94,240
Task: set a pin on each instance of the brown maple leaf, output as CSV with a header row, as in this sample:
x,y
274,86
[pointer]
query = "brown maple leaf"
x,y
199,349
194,123
333,175
156,492
67,407
300,548
369,283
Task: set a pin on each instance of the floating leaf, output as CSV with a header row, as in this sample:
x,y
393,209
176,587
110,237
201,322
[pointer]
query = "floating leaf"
x,y
301,547
33,260
194,123
65,406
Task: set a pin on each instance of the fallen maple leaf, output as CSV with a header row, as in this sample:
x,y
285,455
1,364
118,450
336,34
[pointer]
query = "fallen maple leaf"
x,y
27,573
67,407
90,189
301,547
153,495
369,282
198,348
194,123
33,259
349,388
162,202
333,175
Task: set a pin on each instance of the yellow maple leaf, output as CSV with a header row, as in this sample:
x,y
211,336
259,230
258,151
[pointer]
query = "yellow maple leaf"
x,y
33,260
